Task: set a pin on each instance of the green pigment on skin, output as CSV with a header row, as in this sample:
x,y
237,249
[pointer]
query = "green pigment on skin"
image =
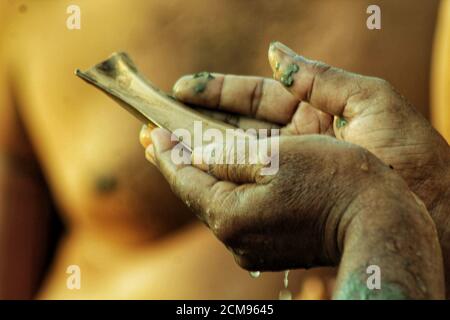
x,y
277,66
204,77
199,87
341,122
354,288
286,78
204,74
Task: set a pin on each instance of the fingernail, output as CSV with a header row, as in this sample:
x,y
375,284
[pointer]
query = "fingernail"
x,y
276,45
180,85
283,61
144,136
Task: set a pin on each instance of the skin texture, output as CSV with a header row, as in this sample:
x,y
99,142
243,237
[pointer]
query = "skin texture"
x,y
331,203
361,110
122,223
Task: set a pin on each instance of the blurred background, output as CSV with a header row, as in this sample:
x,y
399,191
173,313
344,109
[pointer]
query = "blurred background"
x,y
75,189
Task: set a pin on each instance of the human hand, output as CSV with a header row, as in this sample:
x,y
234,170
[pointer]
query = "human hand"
x,y
330,201
325,100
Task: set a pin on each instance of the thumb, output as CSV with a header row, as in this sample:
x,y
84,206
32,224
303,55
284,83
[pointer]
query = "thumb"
x,y
324,87
240,162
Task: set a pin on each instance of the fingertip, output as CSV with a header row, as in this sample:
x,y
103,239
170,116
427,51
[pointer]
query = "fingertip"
x,y
181,87
276,55
145,136
284,63
161,139
278,46
202,88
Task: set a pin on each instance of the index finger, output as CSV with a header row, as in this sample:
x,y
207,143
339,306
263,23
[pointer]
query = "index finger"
x,y
327,88
258,97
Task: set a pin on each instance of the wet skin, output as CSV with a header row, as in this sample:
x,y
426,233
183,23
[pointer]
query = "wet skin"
x,y
121,218
367,112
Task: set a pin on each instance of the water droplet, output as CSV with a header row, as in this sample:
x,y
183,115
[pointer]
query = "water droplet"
x,y
255,274
286,280
285,294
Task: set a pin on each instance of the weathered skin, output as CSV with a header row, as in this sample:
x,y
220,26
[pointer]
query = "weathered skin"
x,y
331,203
367,112
361,110
120,216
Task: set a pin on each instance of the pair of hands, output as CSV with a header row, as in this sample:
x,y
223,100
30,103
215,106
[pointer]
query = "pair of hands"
x,y
351,152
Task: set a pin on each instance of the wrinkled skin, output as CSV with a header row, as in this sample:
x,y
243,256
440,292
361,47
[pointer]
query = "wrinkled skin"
x,y
260,217
326,191
329,203
362,110
376,116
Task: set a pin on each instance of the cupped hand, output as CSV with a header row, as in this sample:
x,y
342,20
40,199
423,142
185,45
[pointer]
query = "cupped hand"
x,y
329,203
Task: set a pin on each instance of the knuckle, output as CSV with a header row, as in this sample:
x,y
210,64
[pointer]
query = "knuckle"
x,y
318,70
320,67
256,97
218,170
382,85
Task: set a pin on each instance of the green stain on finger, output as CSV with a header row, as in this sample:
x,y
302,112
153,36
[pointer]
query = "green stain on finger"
x,y
287,77
341,122
203,78
204,74
355,288
199,87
